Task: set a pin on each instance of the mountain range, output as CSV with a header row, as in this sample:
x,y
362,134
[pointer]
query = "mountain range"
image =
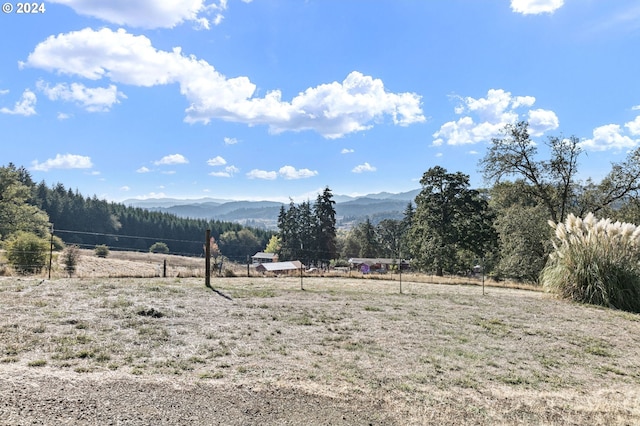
x,y
264,214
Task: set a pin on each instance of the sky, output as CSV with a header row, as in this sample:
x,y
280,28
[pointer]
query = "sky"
x,y
277,99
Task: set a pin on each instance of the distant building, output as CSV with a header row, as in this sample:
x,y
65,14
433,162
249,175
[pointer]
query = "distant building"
x,y
261,257
280,267
378,264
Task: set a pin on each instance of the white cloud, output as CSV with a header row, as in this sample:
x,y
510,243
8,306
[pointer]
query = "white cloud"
x,y
635,108
228,172
492,113
143,169
125,188
150,13
97,99
366,167
171,159
4,91
290,172
634,126
262,174
535,7
230,141
63,116
347,151
333,109
66,161
541,121
25,106
609,137
216,161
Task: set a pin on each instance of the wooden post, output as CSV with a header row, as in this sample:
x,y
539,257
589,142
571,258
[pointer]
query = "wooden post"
x,y
164,269
51,251
400,271
207,259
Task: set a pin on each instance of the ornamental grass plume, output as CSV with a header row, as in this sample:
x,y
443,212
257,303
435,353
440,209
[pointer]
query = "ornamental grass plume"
x,y
595,261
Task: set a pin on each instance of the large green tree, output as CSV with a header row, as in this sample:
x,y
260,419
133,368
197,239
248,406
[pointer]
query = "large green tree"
x,y
325,238
523,232
449,218
16,211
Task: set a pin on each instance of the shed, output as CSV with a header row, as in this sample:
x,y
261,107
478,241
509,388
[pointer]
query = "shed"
x,y
280,267
262,257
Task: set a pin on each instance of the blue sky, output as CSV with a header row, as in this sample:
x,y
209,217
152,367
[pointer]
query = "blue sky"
x,y
271,99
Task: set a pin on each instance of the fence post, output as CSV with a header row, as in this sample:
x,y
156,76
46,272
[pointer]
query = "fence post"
x,y
164,269
207,258
51,251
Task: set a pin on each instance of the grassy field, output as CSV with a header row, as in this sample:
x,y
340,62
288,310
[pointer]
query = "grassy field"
x,y
436,354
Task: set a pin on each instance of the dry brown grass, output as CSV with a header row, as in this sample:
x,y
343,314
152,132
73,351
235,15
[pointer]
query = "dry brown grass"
x,y
437,354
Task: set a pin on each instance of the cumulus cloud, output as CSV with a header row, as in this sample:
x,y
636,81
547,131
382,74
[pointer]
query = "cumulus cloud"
x,y
216,161
151,13
25,106
541,120
98,99
66,161
171,159
366,167
634,126
290,172
262,174
535,7
347,151
333,109
143,169
607,137
63,116
485,118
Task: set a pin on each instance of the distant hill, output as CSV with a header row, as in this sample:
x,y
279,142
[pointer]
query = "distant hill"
x,y
264,214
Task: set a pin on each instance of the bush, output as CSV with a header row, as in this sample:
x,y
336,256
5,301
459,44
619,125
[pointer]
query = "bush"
x,y
595,262
70,258
159,248
27,252
102,251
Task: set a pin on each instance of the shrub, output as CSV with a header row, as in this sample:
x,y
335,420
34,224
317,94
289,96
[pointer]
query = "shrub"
x,y
595,262
102,250
159,247
70,257
27,252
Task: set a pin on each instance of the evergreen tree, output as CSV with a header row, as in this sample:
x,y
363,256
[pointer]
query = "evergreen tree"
x,y
326,245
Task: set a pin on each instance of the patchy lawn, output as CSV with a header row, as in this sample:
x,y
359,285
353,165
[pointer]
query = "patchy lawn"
x,y
344,351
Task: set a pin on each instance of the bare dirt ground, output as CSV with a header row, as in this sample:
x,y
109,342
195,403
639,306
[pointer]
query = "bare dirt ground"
x,y
153,351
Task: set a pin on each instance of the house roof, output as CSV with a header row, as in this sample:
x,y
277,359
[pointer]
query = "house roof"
x,y
281,266
263,255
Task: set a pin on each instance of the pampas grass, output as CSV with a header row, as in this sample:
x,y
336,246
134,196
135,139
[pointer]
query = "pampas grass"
x,y
595,261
